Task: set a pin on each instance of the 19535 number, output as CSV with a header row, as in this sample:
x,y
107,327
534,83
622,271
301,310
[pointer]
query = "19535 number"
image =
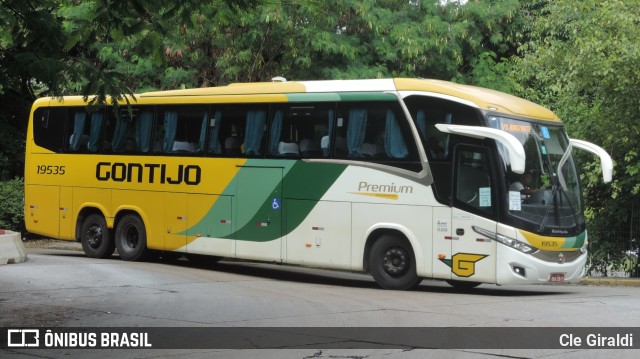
x,y
50,170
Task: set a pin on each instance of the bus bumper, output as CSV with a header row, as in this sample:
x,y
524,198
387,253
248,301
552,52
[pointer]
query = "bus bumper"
x,y
515,267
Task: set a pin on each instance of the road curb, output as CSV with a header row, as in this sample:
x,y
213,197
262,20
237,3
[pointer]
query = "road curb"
x,y
11,248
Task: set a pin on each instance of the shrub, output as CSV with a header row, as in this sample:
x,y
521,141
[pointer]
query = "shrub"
x,y
11,205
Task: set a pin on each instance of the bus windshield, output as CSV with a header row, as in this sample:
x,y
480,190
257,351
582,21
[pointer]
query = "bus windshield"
x,y
548,192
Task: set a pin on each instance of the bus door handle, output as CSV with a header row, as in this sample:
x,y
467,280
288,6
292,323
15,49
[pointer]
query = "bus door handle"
x,y
460,231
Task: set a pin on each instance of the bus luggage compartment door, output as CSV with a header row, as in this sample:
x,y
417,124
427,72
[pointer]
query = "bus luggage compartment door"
x,y
258,230
42,210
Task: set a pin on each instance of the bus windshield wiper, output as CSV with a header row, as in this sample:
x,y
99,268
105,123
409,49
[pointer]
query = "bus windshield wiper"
x,y
548,210
564,194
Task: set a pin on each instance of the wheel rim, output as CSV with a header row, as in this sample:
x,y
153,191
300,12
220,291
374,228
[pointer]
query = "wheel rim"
x,y
396,261
130,238
93,236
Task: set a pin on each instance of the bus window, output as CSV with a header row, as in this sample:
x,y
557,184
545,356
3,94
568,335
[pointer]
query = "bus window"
x,y
474,188
298,130
181,130
373,131
427,112
129,130
48,127
237,131
84,130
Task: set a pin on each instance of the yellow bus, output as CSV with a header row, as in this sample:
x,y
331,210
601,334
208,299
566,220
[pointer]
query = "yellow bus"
x,y
402,178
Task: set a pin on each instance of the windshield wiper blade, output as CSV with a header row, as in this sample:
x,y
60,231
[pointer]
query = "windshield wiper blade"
x,y
546,214
564,194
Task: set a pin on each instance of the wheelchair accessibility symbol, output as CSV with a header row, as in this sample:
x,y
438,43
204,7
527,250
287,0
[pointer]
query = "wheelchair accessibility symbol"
x,y
275,204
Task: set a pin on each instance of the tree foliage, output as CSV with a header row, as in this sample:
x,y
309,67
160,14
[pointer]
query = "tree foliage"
x,y
582,61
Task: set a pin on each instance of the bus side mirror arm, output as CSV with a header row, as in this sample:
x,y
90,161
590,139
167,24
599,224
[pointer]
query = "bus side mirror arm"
x,y
510,142
605,160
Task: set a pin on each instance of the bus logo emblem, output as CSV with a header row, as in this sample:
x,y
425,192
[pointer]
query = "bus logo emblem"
x,y
463,264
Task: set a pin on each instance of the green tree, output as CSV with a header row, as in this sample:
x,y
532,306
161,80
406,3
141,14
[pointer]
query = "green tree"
x,y
343,39
105,48
583,61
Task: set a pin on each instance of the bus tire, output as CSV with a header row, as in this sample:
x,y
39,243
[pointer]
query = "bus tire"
x,y
95,237
459,284
392,263
131,238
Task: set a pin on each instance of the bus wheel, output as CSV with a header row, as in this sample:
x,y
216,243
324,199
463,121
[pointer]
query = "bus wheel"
x,y
462,284
131,238
392,263
95,238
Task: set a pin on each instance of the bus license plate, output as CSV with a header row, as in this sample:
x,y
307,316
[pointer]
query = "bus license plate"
x,y
557,277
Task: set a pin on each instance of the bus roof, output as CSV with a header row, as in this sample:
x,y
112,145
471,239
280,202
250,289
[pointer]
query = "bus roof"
x,y
483,98
486,99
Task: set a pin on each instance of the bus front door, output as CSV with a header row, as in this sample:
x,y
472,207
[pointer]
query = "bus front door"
x,y
258,213
473,255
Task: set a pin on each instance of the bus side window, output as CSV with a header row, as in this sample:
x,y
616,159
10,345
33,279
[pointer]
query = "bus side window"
x,y
313,121
84,131
49,128
181,130
374,131
237,131
298,130
128,130
427,112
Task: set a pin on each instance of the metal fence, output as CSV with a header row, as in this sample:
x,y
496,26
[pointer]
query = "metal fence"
x,y
614,248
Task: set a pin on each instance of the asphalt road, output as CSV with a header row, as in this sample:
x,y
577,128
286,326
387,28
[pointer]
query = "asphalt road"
x,y
62,288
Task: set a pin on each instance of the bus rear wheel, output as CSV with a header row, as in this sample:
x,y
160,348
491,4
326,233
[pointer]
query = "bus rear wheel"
x,y
392,263
131,238
95,237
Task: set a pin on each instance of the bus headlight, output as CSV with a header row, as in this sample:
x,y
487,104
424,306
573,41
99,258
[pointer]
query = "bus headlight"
x,y
507,241
515,244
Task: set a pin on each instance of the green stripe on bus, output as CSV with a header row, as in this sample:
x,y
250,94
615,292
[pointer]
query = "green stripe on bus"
x,y
575,242
300,180
313,97
307,181
367,96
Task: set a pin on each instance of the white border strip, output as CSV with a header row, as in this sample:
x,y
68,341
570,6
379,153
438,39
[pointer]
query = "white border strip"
x,y
349,85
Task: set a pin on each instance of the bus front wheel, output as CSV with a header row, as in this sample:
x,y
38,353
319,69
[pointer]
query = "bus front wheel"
x,y
392,263
131,238
95,237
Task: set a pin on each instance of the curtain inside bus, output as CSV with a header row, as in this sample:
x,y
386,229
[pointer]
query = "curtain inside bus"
x,y
214,140
253,132
170,127
274,136
144,125
120,134
78,131
356,131
394,144
95,132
